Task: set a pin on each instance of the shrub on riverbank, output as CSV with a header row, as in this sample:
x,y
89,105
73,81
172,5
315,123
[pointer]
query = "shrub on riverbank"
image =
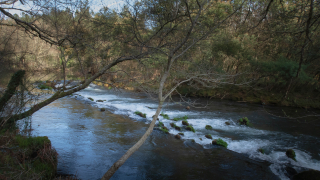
x,y
27,157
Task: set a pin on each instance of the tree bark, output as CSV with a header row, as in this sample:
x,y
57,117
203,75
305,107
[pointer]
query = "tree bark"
x,y
134,148
15,81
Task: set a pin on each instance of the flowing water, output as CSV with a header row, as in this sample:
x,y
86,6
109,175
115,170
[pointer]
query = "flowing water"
x,y
90,141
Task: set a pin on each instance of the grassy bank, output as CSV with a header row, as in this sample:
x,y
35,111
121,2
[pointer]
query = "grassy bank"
x,y
24,157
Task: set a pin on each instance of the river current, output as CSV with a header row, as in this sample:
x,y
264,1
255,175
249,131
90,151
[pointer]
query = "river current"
x,y
89,141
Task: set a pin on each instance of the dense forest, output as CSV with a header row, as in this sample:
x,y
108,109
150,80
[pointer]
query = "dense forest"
x,y
255,51
259,51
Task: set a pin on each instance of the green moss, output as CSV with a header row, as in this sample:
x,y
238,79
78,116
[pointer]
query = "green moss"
x,y
172,125
90,99
220,142
161,124
208,127
180,118
244,121
44,86
182,134
144,115
164,116
165,129
261,150
190,128
32,142
291,154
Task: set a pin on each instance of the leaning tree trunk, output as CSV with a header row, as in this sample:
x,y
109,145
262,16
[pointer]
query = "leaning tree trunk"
x,y
15,81
134,148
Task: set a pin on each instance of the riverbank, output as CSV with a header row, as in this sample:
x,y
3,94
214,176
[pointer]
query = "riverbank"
x,y
26,157
303,99
256,96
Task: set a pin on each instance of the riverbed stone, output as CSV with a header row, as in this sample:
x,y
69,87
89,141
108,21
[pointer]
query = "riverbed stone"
x,y
208,136
227,123
177,128
188,107
208,127
103,109
291,154
307,175
177,136
172,125
90,99
185,123
99,101
180,133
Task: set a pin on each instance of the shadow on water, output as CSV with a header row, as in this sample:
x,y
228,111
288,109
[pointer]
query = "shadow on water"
x,y
89,142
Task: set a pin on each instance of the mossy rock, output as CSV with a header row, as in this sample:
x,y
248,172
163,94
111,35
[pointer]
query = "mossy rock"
x,y
244,121
208,127
190,128
177,128
185,122
291,154
307,175
192,140
227,123
172,125
261,150
165,129
220,142
103,109
140,114
208,136
90,99
200,139
177,136
180,133
161,124
165,116
99,101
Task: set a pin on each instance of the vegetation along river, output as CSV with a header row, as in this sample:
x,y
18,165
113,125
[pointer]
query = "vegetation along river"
x,y
89,141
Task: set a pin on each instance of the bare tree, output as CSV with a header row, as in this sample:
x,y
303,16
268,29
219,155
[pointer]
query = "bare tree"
x,y
179,25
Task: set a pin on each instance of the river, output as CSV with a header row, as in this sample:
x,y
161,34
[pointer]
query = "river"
x,y
89,141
